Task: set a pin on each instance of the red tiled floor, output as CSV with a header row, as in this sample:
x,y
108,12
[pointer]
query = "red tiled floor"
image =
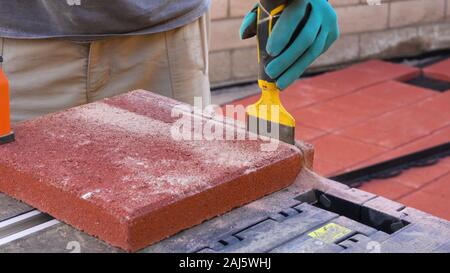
x,y
359,106
429,203
327,168
363,75
438,137
246,101
301,94
396,93
440,187
425,188
439,71
389,188
419,177
398,127
439,104
307,133
343,151
363,114
325,117
446,161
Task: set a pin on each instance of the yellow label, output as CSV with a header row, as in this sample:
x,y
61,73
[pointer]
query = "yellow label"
x,y
330,233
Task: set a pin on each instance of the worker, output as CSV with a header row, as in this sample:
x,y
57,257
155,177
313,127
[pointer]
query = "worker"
x,y
61,54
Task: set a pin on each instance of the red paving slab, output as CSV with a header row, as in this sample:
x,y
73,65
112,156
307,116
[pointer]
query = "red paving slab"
x,y
325,117
440,187
439,104
398,127
307,133
327,168
362,75
428,203
439,71
113,170
389,188
434,139
342,151
420,177
359,106
425,188
396,93
301,94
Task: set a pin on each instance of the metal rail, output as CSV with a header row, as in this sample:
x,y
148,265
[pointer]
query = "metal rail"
x,y
23,225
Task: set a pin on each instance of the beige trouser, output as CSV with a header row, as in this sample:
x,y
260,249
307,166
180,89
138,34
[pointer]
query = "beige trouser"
x,y
48,75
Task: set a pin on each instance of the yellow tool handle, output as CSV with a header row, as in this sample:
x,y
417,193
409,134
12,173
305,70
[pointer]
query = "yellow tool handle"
x,y
268,13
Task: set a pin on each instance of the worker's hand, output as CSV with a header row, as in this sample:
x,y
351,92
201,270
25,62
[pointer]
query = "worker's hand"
x,y
294,51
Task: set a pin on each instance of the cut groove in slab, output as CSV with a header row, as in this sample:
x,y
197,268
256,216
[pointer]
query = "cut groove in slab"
x,y
113,170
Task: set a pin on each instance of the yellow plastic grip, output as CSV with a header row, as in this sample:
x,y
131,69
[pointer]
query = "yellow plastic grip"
x,y
269,106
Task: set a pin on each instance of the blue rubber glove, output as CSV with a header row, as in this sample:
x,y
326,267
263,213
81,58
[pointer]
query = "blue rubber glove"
x,y
294,51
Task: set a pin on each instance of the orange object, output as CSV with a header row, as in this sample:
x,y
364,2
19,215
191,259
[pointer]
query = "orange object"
x,y
6,134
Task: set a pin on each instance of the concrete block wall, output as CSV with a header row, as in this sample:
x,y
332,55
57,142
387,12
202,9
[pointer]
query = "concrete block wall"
x,y
394,28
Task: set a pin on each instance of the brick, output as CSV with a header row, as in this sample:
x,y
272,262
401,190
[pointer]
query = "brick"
x,y
344,50
225,35
245,63
239,8
113,170
404,13
362,18
219,9
391,43
336,3
439,71
219,66
435,36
